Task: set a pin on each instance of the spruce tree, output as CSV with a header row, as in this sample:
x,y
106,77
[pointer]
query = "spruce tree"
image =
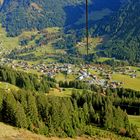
x,y
20,117
32,113
9,109
108,118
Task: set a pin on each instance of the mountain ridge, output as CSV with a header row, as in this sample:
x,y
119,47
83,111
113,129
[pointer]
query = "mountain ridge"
x,y
17,16
124,32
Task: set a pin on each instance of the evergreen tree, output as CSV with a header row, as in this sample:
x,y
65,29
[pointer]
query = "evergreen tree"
x,y
9,109
108,117
20,117
32,113
91,113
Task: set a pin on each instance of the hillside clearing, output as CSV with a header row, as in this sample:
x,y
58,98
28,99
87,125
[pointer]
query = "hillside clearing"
x,y
128,82
93,43
7,43
135,120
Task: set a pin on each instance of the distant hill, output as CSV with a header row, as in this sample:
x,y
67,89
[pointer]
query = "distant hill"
x,y
124,32
17,16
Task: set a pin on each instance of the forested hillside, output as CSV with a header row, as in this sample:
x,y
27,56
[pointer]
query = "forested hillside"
x,y
56,116
124,32
22,15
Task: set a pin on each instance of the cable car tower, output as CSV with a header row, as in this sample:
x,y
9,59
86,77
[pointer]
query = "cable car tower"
x,y
87,37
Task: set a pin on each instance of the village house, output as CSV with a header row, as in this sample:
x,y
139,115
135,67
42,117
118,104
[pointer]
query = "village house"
x,y
133,76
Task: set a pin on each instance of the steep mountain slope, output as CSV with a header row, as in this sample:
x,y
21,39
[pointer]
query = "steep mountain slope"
x,y
21,15
125,33
127,20
25,14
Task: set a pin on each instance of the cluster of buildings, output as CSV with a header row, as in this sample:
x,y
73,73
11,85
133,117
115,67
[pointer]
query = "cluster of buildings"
x,y
50,70
127,71
103,76
103,81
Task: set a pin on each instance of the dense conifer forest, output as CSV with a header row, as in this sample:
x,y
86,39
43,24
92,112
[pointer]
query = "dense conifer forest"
x,y
125,34
56,116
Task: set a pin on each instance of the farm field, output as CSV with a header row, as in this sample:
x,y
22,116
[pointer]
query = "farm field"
x,y
63,77
135,120
128,82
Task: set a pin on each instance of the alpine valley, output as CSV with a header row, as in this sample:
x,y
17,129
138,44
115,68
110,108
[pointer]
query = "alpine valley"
x,y
50,86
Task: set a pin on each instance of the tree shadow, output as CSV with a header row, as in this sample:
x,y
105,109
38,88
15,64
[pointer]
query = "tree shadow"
x,y
75,13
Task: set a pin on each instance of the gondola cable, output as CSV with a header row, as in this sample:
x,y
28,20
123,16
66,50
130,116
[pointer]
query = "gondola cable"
x,y
87,37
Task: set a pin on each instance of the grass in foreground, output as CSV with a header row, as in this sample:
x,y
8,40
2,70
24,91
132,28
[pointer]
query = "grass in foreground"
x,y
135,120
8,132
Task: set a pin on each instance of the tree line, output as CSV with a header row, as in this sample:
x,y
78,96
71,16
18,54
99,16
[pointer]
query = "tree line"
x,y
26,81
127,99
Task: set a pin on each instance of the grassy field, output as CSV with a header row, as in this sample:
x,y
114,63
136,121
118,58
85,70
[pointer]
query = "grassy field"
x,y
63,77
52,29
44,49
64,93
93,42
7,43
134,68
135,120
94,72
103,59
131,83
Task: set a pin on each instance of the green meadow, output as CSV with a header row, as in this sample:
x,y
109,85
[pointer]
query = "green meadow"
x,y
103,59
128,82
93,42
7,43
135,120
64,77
